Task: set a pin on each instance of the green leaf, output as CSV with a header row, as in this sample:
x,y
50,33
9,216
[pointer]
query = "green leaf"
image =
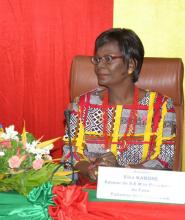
x,y
24,182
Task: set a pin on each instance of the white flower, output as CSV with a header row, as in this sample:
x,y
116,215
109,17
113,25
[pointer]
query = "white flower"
x,y
46,150
48,157
38,156
49,147
10,133
31,147
2,153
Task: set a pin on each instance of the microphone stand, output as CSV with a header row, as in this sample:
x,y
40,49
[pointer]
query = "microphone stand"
x,y
67,114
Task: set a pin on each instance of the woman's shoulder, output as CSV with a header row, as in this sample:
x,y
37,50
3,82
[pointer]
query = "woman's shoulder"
x,y
94,96
145,96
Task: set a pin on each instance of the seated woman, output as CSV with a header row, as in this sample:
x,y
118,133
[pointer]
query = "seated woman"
x,y
120,124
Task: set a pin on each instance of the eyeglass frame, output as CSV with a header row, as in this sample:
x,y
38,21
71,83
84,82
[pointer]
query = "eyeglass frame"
x,y
104,60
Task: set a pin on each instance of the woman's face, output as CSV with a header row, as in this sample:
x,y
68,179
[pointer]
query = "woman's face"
x,y
114,73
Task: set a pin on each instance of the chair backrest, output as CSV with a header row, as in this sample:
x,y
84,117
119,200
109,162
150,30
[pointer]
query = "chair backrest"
x,y
164,75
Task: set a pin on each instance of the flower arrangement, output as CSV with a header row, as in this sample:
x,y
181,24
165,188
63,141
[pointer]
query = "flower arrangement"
x,y
21,152
25,162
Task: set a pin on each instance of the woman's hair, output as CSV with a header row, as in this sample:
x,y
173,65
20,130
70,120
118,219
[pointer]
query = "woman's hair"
x,y
129,44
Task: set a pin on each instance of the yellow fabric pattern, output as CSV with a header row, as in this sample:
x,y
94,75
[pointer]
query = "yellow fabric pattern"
x,y
116,128
148,126
65,139
140,135
169,138
94,133
160,132
80,138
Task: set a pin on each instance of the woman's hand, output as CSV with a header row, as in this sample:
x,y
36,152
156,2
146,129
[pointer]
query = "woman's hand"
x,y
135,166
107,160
91,168
93,171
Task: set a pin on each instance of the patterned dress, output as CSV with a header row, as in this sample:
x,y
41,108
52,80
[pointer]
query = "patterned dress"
x,y
143,132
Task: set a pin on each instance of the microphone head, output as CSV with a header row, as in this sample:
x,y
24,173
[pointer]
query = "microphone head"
x,y
67,113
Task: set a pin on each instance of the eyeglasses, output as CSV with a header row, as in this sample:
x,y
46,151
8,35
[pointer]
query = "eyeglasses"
x,y
107,59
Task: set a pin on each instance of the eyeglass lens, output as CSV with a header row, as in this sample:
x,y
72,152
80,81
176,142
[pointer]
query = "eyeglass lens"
x,y
105,59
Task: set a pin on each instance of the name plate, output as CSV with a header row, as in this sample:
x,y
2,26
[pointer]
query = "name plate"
x,y
141,185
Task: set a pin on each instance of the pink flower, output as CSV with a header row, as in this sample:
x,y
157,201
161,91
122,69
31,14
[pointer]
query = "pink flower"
x,y
6,144
14,162
37,164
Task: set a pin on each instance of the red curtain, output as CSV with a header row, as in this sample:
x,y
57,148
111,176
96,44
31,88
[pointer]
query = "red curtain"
x,y
37,42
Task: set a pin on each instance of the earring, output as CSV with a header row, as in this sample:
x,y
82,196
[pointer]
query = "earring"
x,y
131,67
130,71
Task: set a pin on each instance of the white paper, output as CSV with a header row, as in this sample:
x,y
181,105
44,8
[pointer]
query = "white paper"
x,y
141,185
